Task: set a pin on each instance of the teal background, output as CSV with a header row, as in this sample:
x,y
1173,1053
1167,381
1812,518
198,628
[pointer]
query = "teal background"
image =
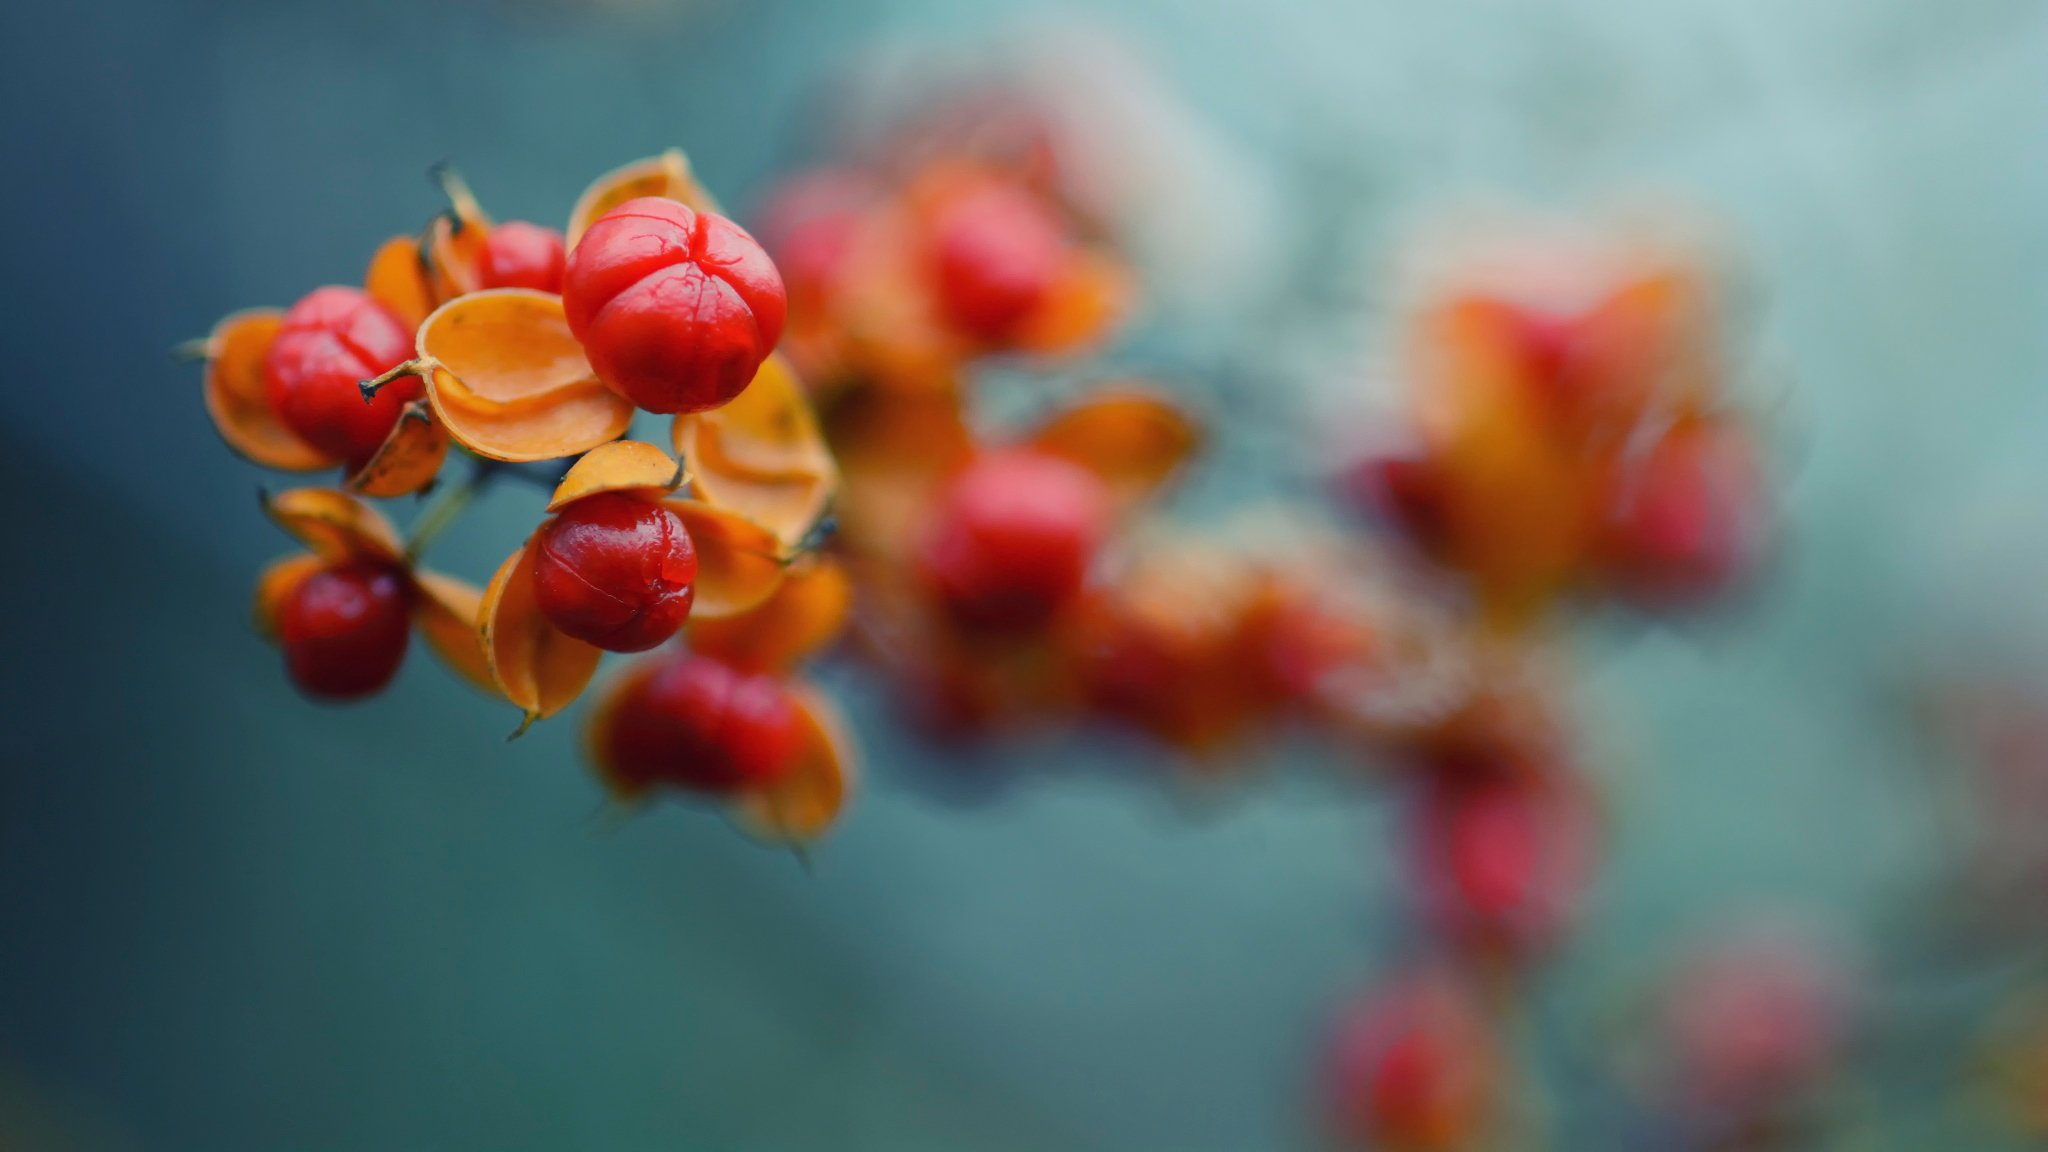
x,y
230,919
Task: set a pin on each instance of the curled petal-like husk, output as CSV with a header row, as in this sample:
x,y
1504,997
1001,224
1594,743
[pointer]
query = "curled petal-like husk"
x,y
336,525
408,460
739,563
398,280
1133,441
448,612
896,449
804,803
277,584
533,664
763,455
235,397
805,614
619,466
454,243
510,382
1092,294
666,175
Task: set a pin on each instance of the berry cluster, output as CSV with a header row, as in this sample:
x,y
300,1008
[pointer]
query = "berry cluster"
x,y
516,344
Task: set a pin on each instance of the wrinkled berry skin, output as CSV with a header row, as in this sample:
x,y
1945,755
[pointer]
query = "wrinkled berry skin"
x,y
1013,540
616,571
698,724
997,251
332,340
521,255
344,630
676,309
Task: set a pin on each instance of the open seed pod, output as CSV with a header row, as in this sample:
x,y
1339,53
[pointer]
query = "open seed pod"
x,y
806,802
509,381
339,529
235,395
531,662
667,175
398,279
803,616
1133,440
407,461
763,455
739,563
453,247
335,525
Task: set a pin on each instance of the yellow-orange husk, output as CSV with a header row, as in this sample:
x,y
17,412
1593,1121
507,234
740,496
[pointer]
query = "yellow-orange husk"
x,y
532,663
628,466
509,381
235,396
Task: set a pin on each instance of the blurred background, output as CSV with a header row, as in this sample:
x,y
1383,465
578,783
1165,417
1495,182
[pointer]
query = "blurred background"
x,y
233,919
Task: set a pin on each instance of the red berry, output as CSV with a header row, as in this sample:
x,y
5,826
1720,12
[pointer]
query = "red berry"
x,y
521,255
1413,1067
344,630
696,723
997,252
332,340
1685,523
616,571
676,309
1014,539
1501,860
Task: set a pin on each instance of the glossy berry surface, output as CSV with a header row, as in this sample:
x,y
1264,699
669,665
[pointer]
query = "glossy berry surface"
x,y
997,251
332,340
616,571
344,630
521,255
1014,539
676,309
695,723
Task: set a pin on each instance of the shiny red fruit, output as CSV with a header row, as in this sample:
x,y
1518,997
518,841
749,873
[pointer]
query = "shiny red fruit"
x,y
1014,539
521,255
332,340
616,571
1501,860
1414,1068
997,252
695,723
344,630
676,309
1685,523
